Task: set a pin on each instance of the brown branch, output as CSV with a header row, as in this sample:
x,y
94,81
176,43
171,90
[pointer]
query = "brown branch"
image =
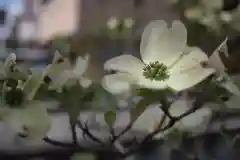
x,y
58,143
159,128
88,133
125,130
74,133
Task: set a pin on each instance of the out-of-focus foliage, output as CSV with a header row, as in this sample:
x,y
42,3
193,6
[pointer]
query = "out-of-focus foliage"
x,y
83,156
209,20
116,28
218,16
61,44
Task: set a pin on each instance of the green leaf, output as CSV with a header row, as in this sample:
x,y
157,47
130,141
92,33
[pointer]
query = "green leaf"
x,y
61,43
18,74
110,118
71,100
136,111
83,156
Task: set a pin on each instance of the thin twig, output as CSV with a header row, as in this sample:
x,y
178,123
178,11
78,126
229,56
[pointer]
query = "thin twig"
x,y
159,129
113,134
125,130
58,143
86,131
74,133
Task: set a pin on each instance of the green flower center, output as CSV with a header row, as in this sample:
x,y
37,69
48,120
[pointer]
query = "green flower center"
x,y
156,71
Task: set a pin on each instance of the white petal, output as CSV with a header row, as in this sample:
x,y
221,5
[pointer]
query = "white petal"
x,y
165,46
57,68
124,63
122,103
85,82
150,38
56,57
33,83
191,59
81,65
118,83
34,117
149,119
10,60
61,79
189,78
178,38
215,60
192,122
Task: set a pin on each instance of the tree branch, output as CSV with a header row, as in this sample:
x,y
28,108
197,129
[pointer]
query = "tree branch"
x,y
74,133
87,132
58,143
125,130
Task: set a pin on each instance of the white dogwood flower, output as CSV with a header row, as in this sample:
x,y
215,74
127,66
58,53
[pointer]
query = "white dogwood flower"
x,y
71,73
166,61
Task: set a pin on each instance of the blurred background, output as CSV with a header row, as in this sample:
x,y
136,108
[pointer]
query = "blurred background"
x,y
35,29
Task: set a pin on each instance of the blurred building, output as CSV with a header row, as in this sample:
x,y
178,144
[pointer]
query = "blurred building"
x,y
6,25
81,18
60,17
27,26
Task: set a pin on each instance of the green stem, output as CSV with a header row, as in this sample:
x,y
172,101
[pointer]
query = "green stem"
x,y
74,133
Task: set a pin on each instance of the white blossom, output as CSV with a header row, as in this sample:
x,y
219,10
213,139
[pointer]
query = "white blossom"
x,y
128,22
176,65
67,72
112,23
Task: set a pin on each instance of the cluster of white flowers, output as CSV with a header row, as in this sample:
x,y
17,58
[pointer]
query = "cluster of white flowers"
x,y
166,62
212,15
114,22
31,119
